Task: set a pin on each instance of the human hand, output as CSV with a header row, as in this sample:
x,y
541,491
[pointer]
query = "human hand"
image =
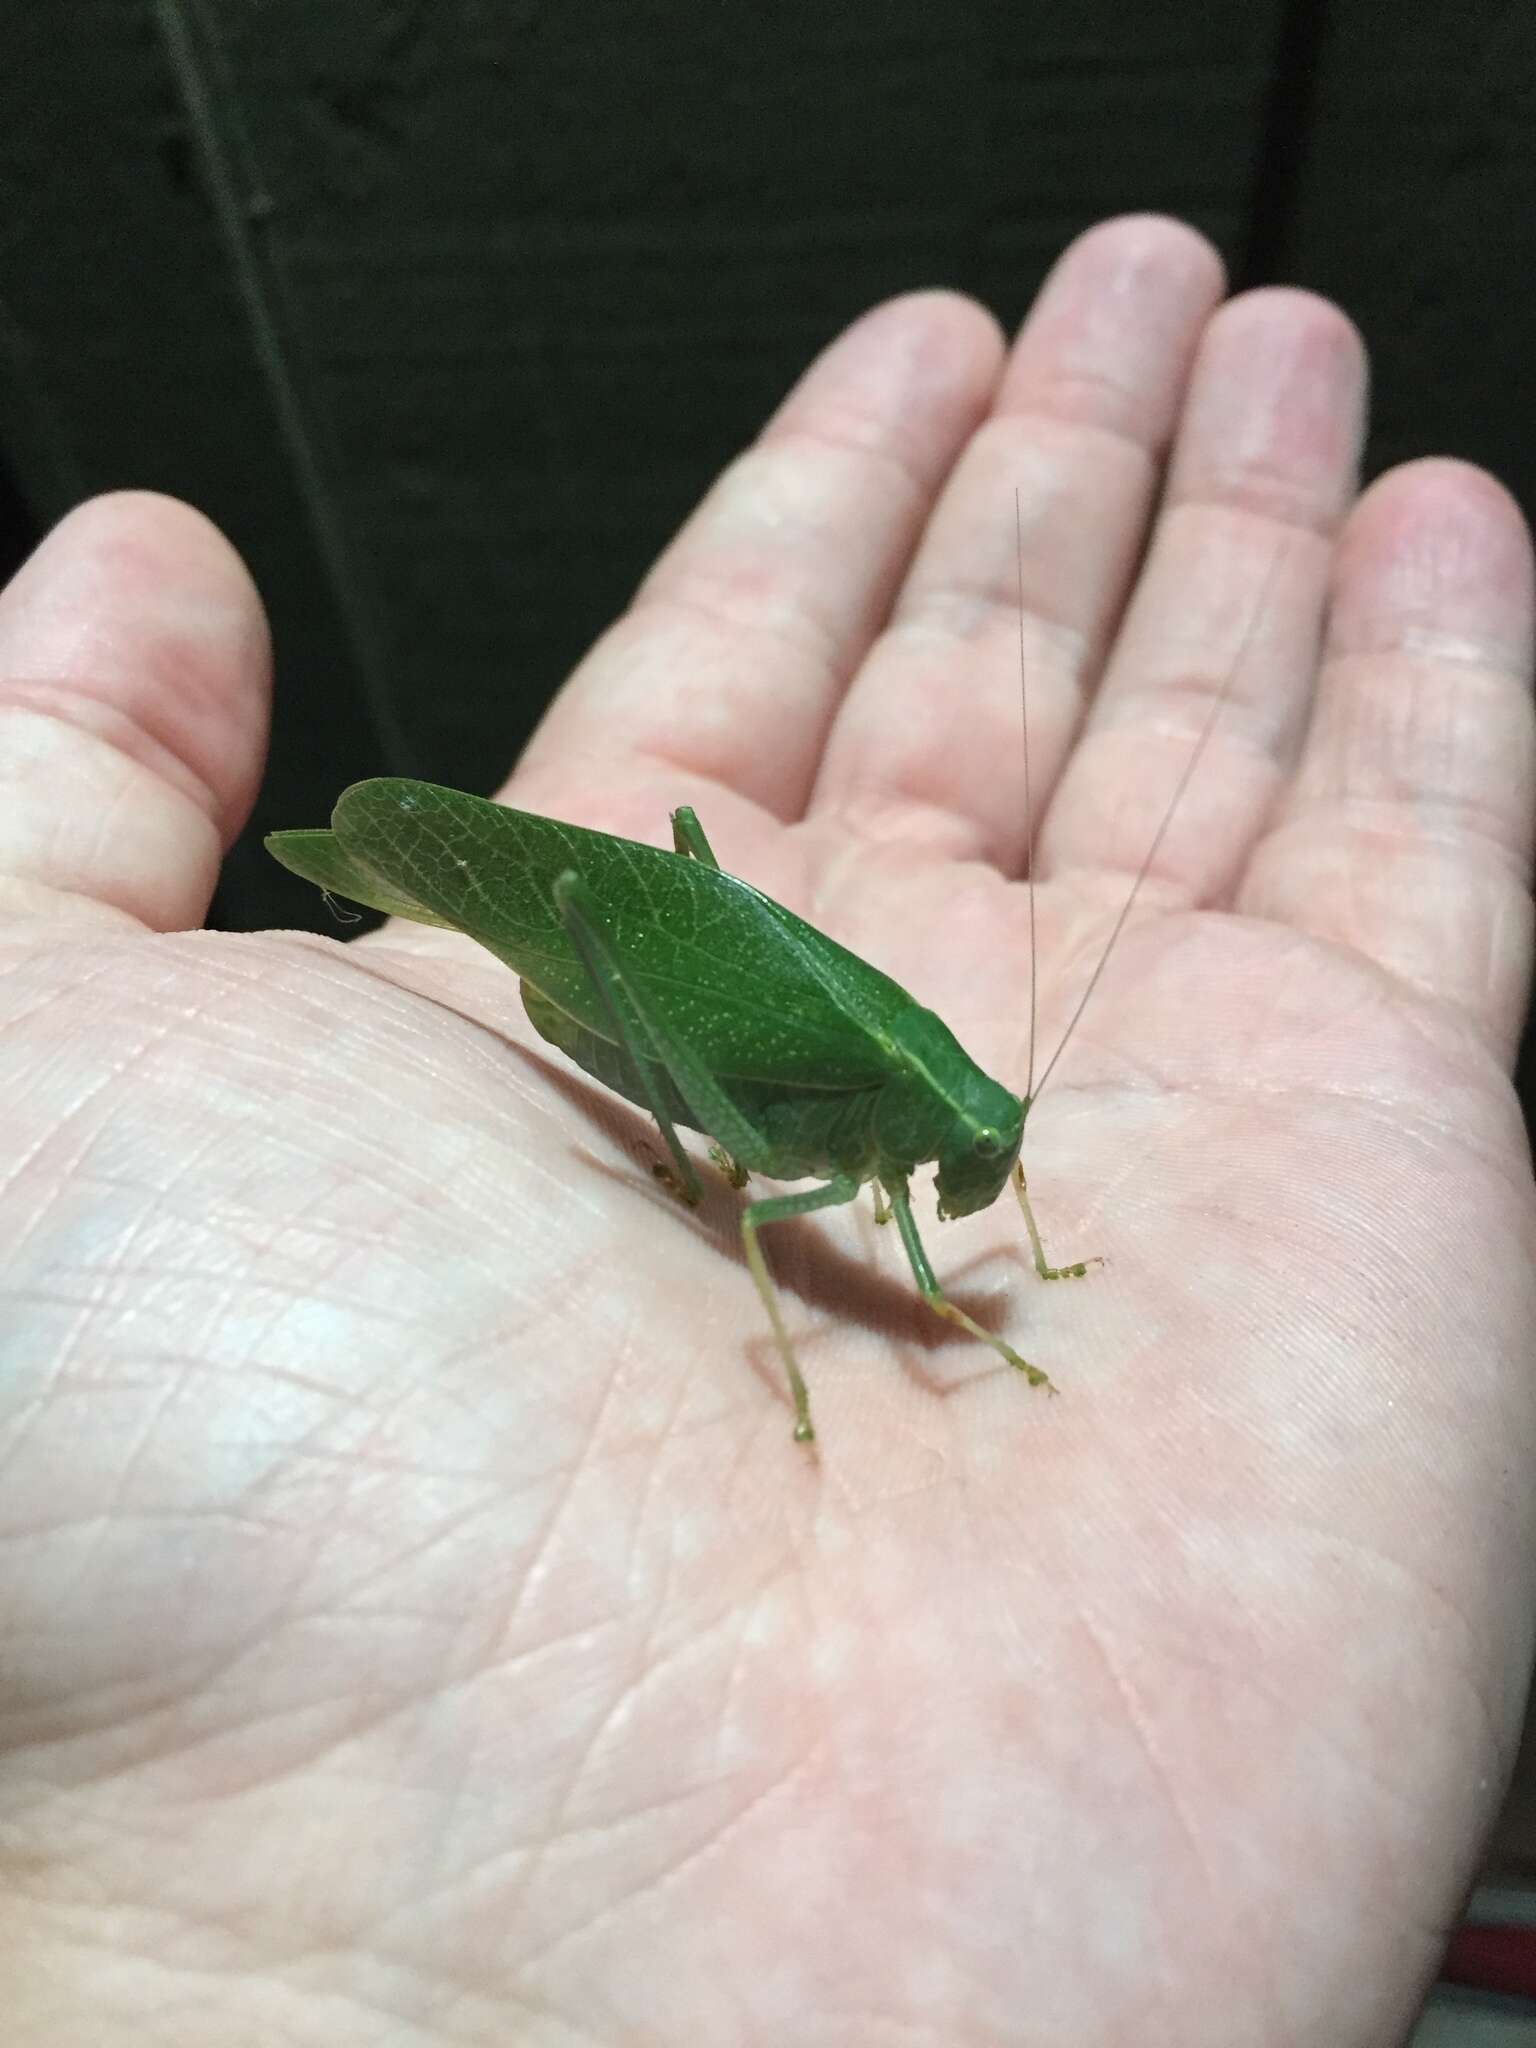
x,y
418,1624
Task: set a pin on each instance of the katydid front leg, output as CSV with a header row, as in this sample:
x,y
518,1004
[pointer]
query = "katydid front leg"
x,y
929,1288
1075,1271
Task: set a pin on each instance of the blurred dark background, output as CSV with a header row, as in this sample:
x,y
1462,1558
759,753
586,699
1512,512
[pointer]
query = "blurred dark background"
x,y
447,310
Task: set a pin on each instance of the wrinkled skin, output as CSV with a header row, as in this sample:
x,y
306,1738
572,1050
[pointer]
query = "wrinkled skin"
x,y
416,1624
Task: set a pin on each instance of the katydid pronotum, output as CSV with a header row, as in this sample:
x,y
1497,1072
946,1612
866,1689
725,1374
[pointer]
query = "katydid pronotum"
x,y
712,1007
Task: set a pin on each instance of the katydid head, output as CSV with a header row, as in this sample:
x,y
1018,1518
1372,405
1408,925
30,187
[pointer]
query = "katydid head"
x,y
980,1149
939,1105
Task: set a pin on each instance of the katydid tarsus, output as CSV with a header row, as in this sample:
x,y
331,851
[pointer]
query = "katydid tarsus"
x,y
714,1008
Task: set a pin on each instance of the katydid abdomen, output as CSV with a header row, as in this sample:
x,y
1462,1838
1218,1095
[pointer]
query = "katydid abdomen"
x,y
881,1133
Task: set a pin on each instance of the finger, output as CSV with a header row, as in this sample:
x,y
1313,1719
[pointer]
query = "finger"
x,y
133,710
728,667
1407,833
928,739
1230,599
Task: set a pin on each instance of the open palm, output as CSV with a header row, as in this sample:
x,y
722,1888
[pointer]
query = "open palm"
x,y
416,1624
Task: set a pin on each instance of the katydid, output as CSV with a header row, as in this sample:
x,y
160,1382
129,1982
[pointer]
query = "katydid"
x,y
712,1007
704,1002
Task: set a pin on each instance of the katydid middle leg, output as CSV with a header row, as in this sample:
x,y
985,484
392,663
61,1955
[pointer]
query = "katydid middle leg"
x,y
776,1209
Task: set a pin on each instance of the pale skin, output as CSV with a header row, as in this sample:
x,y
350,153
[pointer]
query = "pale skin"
x,y
416,1624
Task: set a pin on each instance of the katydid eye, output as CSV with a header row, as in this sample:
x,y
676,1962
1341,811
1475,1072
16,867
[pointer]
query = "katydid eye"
x,y
986,1142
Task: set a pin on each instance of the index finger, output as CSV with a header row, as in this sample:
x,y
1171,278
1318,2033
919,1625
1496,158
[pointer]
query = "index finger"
x,y
724,675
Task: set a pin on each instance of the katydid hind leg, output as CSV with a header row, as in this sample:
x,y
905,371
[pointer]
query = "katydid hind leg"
x,y
737,1134
929,1288
711,1107
688,837
777,1209
585,932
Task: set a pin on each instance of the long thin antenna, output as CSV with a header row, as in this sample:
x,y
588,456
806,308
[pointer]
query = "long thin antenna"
x,y
1218,705
1029,799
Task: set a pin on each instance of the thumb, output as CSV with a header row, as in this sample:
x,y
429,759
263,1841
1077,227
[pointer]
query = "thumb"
x,y
134,678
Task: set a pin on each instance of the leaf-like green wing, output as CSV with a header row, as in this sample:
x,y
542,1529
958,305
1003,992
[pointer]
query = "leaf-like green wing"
x,y
318,857
754,990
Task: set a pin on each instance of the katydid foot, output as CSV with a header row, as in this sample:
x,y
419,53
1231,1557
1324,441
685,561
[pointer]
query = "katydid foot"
x,y
733,1169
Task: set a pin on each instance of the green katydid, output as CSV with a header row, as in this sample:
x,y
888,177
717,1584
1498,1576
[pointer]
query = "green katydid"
x,y
701,1000
713,1007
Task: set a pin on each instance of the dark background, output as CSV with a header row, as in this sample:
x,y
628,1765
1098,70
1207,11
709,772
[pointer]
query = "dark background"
x,y
447,310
